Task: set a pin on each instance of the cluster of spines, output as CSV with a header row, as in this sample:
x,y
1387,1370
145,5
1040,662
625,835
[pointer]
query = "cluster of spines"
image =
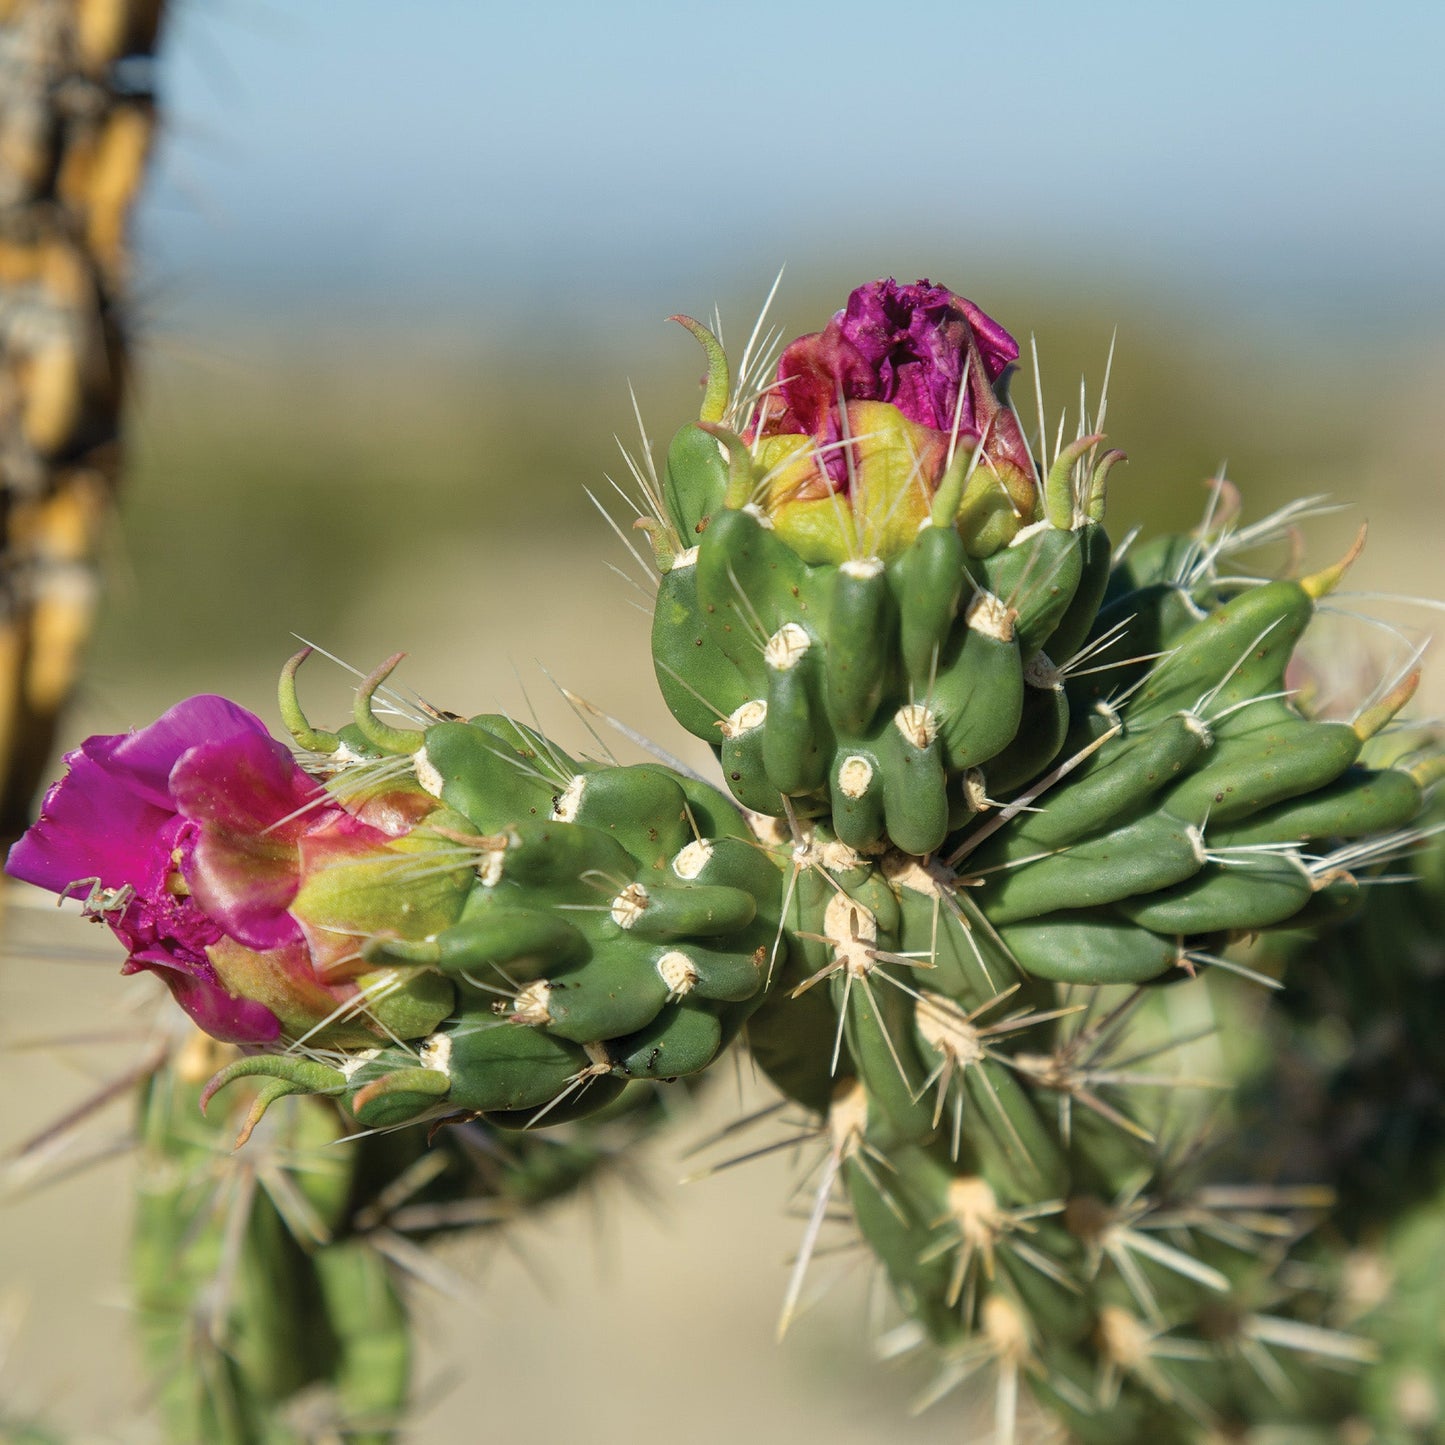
x,y
998,1158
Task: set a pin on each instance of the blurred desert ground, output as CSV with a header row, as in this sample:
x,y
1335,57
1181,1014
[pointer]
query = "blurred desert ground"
x,y
382,448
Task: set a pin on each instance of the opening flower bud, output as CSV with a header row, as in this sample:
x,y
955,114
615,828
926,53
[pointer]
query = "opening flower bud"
x,y
230,872
867,415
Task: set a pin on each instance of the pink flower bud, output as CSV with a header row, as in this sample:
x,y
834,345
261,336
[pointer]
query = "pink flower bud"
x,y
873,409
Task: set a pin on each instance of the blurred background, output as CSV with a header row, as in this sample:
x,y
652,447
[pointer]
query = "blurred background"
x,y
400,264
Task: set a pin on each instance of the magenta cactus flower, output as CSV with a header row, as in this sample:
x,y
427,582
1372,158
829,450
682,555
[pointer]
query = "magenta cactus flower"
x,y
899,385
230,872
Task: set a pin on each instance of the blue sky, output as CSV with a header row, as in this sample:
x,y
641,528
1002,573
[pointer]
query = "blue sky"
x,y
446,155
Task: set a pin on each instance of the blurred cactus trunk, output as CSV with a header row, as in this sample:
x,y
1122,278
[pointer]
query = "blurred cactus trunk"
x,y
77,116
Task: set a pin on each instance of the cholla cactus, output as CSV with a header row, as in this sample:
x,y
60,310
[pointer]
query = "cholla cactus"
x,y
459,920
270,1282
993,783
1149,792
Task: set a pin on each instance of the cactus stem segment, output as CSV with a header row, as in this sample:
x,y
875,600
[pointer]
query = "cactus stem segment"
x,y
382,735
1026,799
719,382
601,1064
312,739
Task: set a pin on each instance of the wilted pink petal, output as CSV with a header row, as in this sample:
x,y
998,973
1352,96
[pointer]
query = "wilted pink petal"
x,y
250,803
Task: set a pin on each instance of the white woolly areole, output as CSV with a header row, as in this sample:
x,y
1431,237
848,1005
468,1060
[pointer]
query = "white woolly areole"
x,y
975,791
684,559
436,1053
1039,672
1195,724
564,810
601,1059
855,774
945,1028
1006,1329
352,1062
691,860
973,1207
489,870
769,831
852,930
426,772
848,1116
1123,1339
934,879
864,569
1026,534
744,719
530,1005
917,724
787,647
991,616
837,857
677,971
760,516
1196,841
629,905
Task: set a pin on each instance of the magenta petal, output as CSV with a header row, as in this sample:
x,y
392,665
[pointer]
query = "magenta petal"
x,y
906,345
144,758
811,373
998,349
250,803
90,826
917,340
223,1016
